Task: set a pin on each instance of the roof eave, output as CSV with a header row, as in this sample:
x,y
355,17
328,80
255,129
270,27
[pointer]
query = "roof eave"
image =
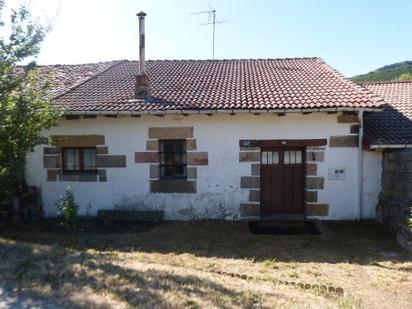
x,y
390,146
226,111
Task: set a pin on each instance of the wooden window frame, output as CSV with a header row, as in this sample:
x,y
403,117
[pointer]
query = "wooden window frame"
x,y
82,170
184,159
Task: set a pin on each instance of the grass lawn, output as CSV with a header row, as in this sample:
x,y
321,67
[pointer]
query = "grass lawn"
x,y
207,264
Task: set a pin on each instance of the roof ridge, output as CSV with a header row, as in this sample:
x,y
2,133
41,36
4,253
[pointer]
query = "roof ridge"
x,y
374,98
387,82
90,78
150,60
41,66
77,64
236,59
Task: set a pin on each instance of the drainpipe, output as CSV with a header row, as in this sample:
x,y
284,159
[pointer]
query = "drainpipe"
x,y
360,165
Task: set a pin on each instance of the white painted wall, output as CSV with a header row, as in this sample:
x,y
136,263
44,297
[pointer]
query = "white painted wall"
x,y
372,182
219,194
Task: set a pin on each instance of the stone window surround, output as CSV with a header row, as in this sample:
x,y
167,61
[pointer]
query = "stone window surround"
x,y
52,158
250,153
151,156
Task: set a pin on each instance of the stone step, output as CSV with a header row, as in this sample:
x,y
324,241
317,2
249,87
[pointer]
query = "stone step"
x,y
285,227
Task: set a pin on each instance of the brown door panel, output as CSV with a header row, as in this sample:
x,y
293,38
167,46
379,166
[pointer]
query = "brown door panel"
x,y
282,181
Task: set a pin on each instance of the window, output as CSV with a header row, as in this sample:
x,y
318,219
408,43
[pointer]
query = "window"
x,y
79,160
293,157
270,157
173,162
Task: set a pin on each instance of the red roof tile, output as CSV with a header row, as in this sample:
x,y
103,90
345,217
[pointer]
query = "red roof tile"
x,y
392,126
264,84
64,77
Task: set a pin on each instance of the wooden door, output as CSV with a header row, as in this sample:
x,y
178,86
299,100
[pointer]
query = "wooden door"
x,y
282,181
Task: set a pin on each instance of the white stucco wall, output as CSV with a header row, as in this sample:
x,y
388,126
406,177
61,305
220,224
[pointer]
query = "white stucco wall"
x,y
218,184
372,182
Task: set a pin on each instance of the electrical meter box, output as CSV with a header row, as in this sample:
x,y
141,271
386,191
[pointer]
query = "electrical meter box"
x,y
337,173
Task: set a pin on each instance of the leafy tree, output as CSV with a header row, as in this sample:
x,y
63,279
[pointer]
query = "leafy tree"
x,y
25,109
405,76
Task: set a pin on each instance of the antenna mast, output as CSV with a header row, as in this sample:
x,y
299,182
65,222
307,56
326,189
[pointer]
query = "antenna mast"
x,y
212,16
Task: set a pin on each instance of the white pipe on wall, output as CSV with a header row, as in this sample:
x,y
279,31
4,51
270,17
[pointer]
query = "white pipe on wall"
x,y
360,165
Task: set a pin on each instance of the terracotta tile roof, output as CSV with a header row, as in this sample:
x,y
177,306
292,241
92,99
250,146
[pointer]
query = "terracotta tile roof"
x,y
264,84
64,77
392,126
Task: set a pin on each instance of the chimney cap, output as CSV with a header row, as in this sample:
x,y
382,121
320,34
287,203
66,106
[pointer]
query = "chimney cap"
x,y
141,14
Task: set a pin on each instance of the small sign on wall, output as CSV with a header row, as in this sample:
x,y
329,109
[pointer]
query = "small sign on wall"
x,y
337,173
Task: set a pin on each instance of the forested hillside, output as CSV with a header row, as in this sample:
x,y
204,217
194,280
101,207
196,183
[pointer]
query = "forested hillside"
x,y
396,71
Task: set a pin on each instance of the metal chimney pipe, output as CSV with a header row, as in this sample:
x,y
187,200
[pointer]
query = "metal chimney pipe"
x,y
142,87
142,65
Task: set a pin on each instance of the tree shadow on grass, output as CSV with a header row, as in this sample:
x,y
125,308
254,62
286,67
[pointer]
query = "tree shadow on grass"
x,y
348,242
51,272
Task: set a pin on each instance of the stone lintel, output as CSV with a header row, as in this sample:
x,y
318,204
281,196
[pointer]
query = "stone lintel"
x,y
77,140
171,132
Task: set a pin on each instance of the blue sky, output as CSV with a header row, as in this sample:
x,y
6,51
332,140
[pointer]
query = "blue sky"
x,y
353,36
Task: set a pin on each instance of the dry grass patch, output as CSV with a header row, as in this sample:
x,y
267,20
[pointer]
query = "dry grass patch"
x,y
207,264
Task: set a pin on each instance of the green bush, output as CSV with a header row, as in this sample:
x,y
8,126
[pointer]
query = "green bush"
x,y
67,208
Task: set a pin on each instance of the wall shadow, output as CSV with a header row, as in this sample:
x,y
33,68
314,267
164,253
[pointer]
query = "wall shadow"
x,y
350,242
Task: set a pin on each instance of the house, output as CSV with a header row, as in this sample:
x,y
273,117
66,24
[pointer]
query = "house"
x,y
390,132
228,139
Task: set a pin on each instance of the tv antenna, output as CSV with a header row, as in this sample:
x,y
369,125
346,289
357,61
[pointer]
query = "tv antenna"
x,y
211,21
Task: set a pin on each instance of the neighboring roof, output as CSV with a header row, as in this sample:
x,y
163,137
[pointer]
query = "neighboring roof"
x,y
64,77
193,85
392,126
